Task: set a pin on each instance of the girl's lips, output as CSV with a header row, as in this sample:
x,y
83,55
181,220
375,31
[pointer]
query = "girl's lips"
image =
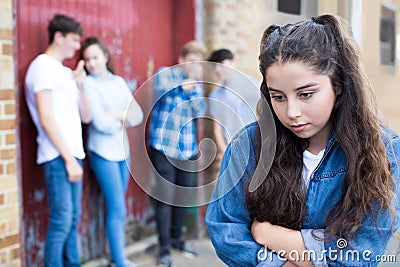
x,y
298,127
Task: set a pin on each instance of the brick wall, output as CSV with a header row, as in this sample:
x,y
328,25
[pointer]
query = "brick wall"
x,y
9,203
238,26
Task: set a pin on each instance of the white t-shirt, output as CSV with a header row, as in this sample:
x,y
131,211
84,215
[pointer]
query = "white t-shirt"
x,y
233,104
47,73
310,163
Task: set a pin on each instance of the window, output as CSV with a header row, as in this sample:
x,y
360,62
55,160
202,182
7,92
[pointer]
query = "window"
x,y
290,6
387,36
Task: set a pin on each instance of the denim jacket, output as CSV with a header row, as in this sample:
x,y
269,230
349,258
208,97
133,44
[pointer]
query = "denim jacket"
x,y
229,221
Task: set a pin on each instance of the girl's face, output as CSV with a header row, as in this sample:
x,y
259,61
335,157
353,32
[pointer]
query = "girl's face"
x,y
303,101
95,60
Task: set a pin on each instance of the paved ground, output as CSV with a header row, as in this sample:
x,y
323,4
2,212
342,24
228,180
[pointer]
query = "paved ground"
x,y
144,253
206,256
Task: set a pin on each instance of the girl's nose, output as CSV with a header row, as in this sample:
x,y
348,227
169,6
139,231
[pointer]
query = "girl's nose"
x,y
293,109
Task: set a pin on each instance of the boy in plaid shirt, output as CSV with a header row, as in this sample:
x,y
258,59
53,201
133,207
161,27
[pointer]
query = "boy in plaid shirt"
x,y
173,144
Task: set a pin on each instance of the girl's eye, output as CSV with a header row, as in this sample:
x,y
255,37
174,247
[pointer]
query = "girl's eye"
x,y
278,97
307,94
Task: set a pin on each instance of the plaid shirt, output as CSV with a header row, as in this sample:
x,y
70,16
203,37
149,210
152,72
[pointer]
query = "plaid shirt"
x,y
172,128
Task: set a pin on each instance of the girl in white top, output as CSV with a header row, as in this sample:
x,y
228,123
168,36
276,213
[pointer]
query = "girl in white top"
x,y
113,109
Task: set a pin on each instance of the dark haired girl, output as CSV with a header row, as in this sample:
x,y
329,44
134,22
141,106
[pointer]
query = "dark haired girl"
x,y
328,196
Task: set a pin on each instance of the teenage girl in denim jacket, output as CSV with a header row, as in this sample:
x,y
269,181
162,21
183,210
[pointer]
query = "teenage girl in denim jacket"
x,y
323,191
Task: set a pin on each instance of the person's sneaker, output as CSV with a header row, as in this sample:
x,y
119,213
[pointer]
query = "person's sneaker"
x,y
184,248
164,260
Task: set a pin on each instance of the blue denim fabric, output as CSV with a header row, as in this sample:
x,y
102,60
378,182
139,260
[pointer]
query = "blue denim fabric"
x,y
229,222
113,177
61,248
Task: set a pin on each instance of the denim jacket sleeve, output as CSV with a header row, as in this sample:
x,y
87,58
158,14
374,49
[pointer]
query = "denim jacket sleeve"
x,y
227,218
371,240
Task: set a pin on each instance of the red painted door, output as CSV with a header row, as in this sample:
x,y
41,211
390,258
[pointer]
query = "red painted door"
x,y
139,33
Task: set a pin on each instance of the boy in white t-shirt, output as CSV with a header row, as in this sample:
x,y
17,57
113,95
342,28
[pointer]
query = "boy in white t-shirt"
x,y
58,105
232,105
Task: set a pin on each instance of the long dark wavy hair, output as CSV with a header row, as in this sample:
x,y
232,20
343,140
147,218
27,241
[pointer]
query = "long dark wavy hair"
x,y
325,45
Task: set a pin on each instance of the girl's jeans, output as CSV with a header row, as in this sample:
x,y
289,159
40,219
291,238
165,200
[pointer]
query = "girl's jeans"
x,y
113,177
64,197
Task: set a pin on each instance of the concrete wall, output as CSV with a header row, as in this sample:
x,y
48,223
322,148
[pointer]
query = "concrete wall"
x,y
385,80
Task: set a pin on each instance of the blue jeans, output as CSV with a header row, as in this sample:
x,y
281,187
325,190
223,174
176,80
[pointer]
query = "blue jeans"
x,y
113,177
64,197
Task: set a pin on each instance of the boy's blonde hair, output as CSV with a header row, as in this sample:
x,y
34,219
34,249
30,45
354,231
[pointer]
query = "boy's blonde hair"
x,y
194,47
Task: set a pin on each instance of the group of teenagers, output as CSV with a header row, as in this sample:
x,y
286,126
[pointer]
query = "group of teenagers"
x,y
316,168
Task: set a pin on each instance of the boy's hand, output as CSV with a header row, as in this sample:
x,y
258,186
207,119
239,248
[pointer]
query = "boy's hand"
x,y
188,85
74,170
